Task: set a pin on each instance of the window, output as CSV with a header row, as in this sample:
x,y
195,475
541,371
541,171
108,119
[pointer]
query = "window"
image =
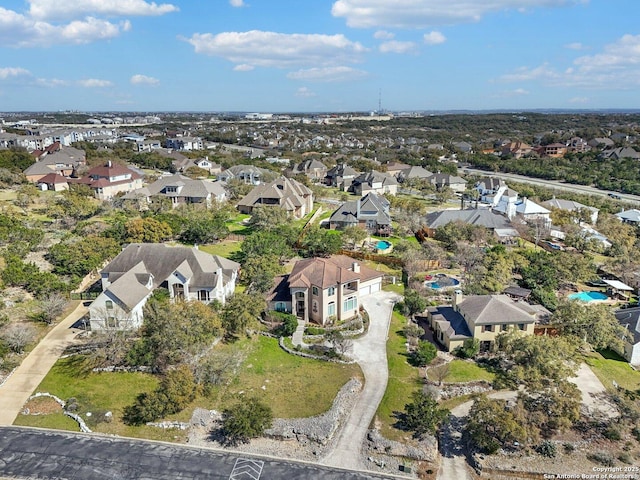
x,y
331,309
487,328
281,307
521,326
332,291
314,291
504,328
203,295
112,322
350,304
108,305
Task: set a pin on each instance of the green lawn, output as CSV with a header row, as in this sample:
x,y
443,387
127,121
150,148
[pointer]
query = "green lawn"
x,y
403,381
463,371
609,366
293,386
225,248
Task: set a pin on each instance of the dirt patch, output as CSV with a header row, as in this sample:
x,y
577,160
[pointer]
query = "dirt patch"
x,y
42,406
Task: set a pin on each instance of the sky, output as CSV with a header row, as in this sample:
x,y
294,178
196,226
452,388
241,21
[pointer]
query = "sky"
x,y
275,56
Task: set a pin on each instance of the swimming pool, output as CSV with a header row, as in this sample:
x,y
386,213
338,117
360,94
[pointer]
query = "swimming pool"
x,y
443,282
587,296
383,245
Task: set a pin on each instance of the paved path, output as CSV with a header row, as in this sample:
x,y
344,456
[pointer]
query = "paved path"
x,y
17,389
592,391
370,351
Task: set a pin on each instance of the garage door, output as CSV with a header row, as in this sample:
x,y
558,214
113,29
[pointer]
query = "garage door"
x,y
375,287
365,290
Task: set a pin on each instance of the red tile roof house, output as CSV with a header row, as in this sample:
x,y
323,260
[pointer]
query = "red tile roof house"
x,y
108,180
53,182
324,290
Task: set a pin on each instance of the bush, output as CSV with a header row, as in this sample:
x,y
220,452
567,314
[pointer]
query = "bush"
x,y
245,420
469,348
625,458
288,323
636,433
424,354
568,448
422,415
314,331
602,458
612,433
547,449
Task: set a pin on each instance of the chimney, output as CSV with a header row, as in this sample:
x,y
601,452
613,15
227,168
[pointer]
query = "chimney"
x,y
355,267
109,164
457,299
358,208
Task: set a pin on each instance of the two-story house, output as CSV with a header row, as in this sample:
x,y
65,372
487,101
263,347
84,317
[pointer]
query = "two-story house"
x,y
129,280
340,176
181,190
283,192
371,213
324,290
374,181
482,317
108,180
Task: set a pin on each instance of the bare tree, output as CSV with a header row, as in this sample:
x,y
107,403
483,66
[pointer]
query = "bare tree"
x,y
441,372
18,335
52,306
340,343
110,343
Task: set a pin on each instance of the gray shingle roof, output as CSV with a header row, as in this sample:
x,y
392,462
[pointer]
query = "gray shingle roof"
x,y
372,207
485,218
494,309
630,319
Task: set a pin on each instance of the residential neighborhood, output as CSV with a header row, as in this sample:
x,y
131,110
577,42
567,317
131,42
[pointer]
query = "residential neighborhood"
x,y
326,280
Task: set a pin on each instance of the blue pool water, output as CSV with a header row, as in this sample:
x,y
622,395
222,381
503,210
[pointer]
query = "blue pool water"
x,y
383,245
443,282
587,296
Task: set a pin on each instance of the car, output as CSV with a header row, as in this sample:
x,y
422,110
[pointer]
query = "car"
x,y
616,196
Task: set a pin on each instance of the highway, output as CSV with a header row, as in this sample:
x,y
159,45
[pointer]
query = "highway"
x,y
553,184
48,455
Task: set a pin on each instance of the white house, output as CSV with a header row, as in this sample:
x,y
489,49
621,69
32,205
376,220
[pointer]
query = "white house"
x,y
129,280
629,318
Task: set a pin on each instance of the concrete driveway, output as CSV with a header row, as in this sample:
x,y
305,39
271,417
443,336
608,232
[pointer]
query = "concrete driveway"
x,y
370,351
592,391
25,379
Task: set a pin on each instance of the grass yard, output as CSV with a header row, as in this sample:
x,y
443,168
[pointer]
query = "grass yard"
x,y
293,386
461,371
403,381
225,248
57,421
609,366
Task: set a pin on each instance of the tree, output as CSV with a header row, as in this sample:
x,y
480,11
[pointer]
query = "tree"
x,y
147,230
205,227
354,235
595,324
245,420
443,195
340,343
422,415
176,390
52,306
258,272
78,256
318,242
413,302
441,372
491,425
264,217
18,335
239,312
424,354
469,349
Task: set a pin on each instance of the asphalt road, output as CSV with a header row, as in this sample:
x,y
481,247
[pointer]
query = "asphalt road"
x,y
44,454
569,187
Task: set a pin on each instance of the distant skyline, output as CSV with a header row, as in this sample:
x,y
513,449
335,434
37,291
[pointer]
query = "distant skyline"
x,y
319,55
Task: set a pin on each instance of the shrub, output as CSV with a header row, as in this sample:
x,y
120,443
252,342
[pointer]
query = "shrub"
x,y
288,325
602,458
568,448
625,458
636,433
612,433
314,331
469,348
424,354
245,420
547,449
422,415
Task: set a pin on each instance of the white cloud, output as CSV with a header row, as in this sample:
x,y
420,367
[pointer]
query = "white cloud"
x,y
428,13
395,46
95,83
434,38
243,68
383,35
6,72
580,100
328,74
53,10
18,30
616,67
51,82
304,92
139,79
280,50
575,46
237,3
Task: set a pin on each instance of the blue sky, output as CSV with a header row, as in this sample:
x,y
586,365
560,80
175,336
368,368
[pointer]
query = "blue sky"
x,y
318,55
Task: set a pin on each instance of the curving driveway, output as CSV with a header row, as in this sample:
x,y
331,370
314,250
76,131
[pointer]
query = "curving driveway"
x,y
370,351
25,379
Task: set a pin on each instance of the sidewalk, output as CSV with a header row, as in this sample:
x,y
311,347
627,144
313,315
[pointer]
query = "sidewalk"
x,y
26,378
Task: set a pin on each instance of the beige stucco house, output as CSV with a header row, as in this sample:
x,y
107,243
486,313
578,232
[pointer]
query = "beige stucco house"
x,y
324,290
479,316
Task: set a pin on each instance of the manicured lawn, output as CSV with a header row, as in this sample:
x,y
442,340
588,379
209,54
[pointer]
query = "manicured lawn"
x,y
225,248
609,366
403,381
57,421
293,386
464,371
398,288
